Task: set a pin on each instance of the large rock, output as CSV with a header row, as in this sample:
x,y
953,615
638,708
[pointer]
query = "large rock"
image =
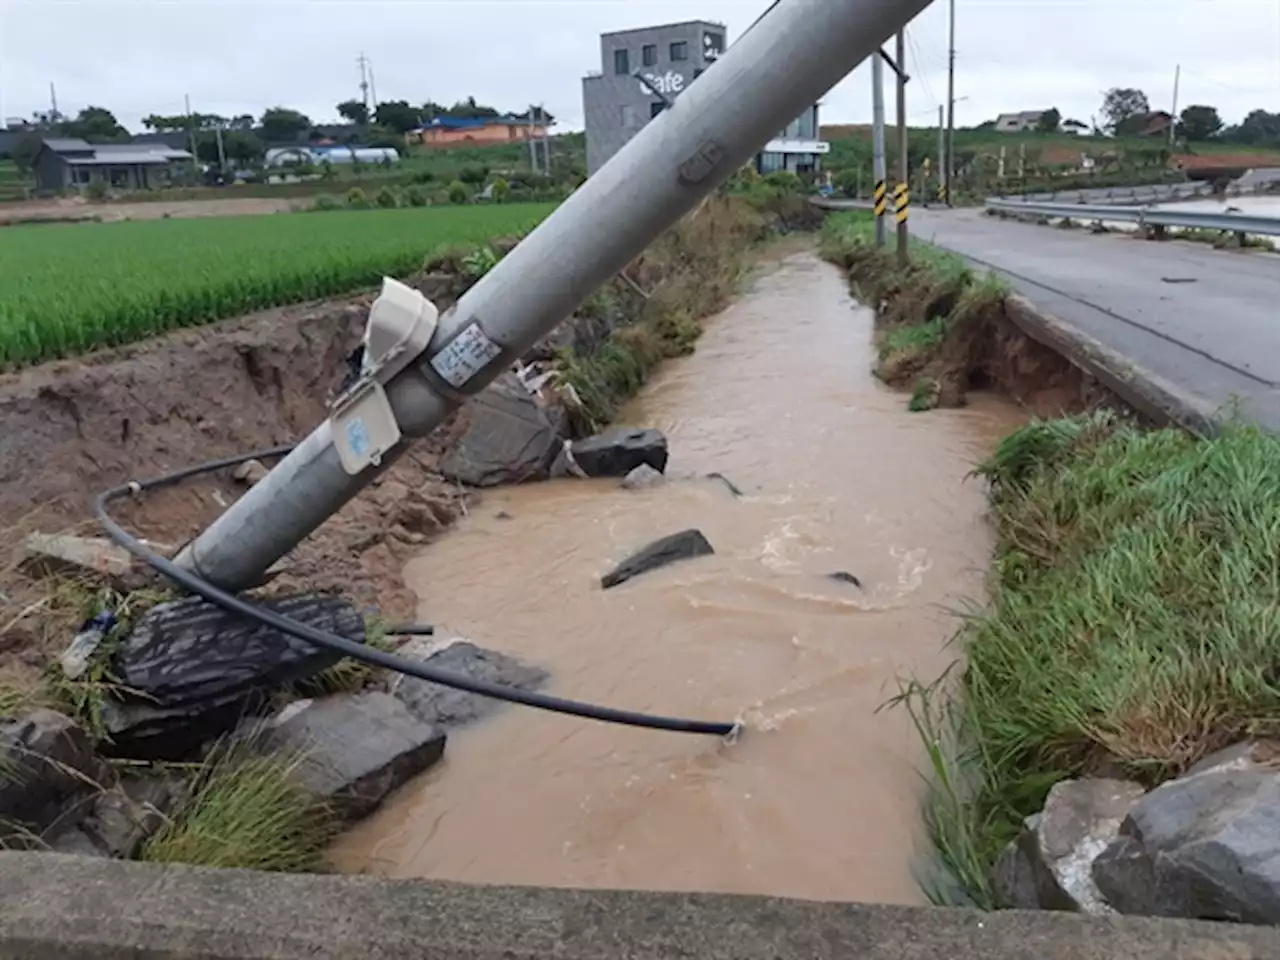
x,y
615,453
193,671
510,437
356,748
679,546
126,816
446,707
1205,846
48,773
1050,863
64,554
643,477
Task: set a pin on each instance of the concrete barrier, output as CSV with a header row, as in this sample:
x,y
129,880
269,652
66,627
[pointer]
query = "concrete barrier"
x,y
70,908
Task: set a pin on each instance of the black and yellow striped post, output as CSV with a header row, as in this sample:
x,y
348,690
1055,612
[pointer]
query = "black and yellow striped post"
x,y
942,193
882,194
901,203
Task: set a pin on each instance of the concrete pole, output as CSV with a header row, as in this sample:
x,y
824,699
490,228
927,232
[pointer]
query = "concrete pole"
x,y
881,185
904,162
533,140
951,105
944,183
659,176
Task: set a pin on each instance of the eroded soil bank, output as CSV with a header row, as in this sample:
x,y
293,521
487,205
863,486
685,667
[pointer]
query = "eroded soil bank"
x,y
819,798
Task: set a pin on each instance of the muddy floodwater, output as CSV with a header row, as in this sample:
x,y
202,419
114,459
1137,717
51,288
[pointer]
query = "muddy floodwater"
x,y
819,796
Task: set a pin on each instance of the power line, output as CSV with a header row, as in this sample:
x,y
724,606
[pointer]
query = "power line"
x,y
919,67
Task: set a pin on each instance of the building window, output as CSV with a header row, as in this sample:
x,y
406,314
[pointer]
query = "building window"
x,y
649,54
679,51
81,175
712,45
656,108
621,61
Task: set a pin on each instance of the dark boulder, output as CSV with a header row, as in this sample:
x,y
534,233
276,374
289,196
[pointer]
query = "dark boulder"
x,y
679,546
446,707
191,671
617,452
49,773
126,816
509,437
643,477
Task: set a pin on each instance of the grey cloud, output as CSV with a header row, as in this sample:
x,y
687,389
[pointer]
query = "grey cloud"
x,y
142,56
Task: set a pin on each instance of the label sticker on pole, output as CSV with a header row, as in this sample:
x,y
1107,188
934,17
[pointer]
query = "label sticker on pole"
x,y
465,355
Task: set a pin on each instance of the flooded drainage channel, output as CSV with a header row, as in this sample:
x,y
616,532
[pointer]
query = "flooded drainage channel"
x,y
818,799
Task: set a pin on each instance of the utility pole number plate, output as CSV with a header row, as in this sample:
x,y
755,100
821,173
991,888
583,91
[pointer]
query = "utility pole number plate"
x,y
465,355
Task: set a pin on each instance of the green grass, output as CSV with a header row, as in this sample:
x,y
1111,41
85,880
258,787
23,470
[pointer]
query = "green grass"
x,y
1135,605
927,336
66,289
247,811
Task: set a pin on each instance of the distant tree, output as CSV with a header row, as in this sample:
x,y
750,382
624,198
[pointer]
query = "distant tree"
x,y
280,124
469,109
354,111
95,124
432,109
380,136
474,175
1199,123
242,122
182,121
1050,121
25,150
1124,108
243,147
458,192
397,115
1259,127
501,191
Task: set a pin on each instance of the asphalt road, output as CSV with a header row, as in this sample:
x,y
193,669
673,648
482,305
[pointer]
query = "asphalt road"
x,y
1205,320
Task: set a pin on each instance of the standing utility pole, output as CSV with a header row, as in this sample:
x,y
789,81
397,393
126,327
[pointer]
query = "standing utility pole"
x,y
903,195
191,129
53,103
373,89
877,144
533,140
363,61
951,108
1173,120
546,140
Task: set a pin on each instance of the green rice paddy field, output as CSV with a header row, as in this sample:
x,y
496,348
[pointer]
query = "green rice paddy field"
x,y
69,288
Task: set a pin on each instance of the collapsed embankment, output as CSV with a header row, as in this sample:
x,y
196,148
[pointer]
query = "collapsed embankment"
x,y
76,427
1104,747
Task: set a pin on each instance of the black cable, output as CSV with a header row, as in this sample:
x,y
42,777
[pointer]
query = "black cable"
x,y
349,648
411,630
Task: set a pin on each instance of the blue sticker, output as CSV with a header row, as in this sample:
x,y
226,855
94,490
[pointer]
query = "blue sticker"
x,y
358,438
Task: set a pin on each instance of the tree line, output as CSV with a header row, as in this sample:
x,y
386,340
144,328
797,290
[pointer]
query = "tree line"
x,y
1126,111
244,138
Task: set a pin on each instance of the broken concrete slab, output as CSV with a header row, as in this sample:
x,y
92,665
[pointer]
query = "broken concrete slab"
x,y
66,555
1080,819
1202,846
356,748
509,437
446,707
617,452
190,671
679,546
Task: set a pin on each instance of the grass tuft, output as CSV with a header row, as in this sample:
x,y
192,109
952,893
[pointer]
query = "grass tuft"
x,y
247,811
1134,608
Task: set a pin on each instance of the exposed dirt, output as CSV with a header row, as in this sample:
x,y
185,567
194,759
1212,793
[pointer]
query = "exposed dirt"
x,y
73,428
77,209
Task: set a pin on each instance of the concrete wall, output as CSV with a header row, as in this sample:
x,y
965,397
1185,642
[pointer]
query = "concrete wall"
x,y
616,106
69,908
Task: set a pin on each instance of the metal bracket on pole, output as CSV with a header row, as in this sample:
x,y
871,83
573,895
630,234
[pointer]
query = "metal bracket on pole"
x,y
906,78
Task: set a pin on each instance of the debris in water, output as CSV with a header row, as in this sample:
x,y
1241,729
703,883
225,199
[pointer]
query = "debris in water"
x,y
844,576
643,477
503,515
679,546
1180,279
733,488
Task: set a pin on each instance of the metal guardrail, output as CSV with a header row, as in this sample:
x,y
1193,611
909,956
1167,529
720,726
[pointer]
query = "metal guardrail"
x,y
1155,217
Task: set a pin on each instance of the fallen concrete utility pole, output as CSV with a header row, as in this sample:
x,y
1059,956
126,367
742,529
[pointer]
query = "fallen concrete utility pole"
x,y
756,88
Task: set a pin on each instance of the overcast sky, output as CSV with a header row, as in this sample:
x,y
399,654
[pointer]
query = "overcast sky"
x,y
141,56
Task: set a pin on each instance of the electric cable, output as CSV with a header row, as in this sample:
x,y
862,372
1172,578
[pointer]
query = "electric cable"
x,y
378,658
